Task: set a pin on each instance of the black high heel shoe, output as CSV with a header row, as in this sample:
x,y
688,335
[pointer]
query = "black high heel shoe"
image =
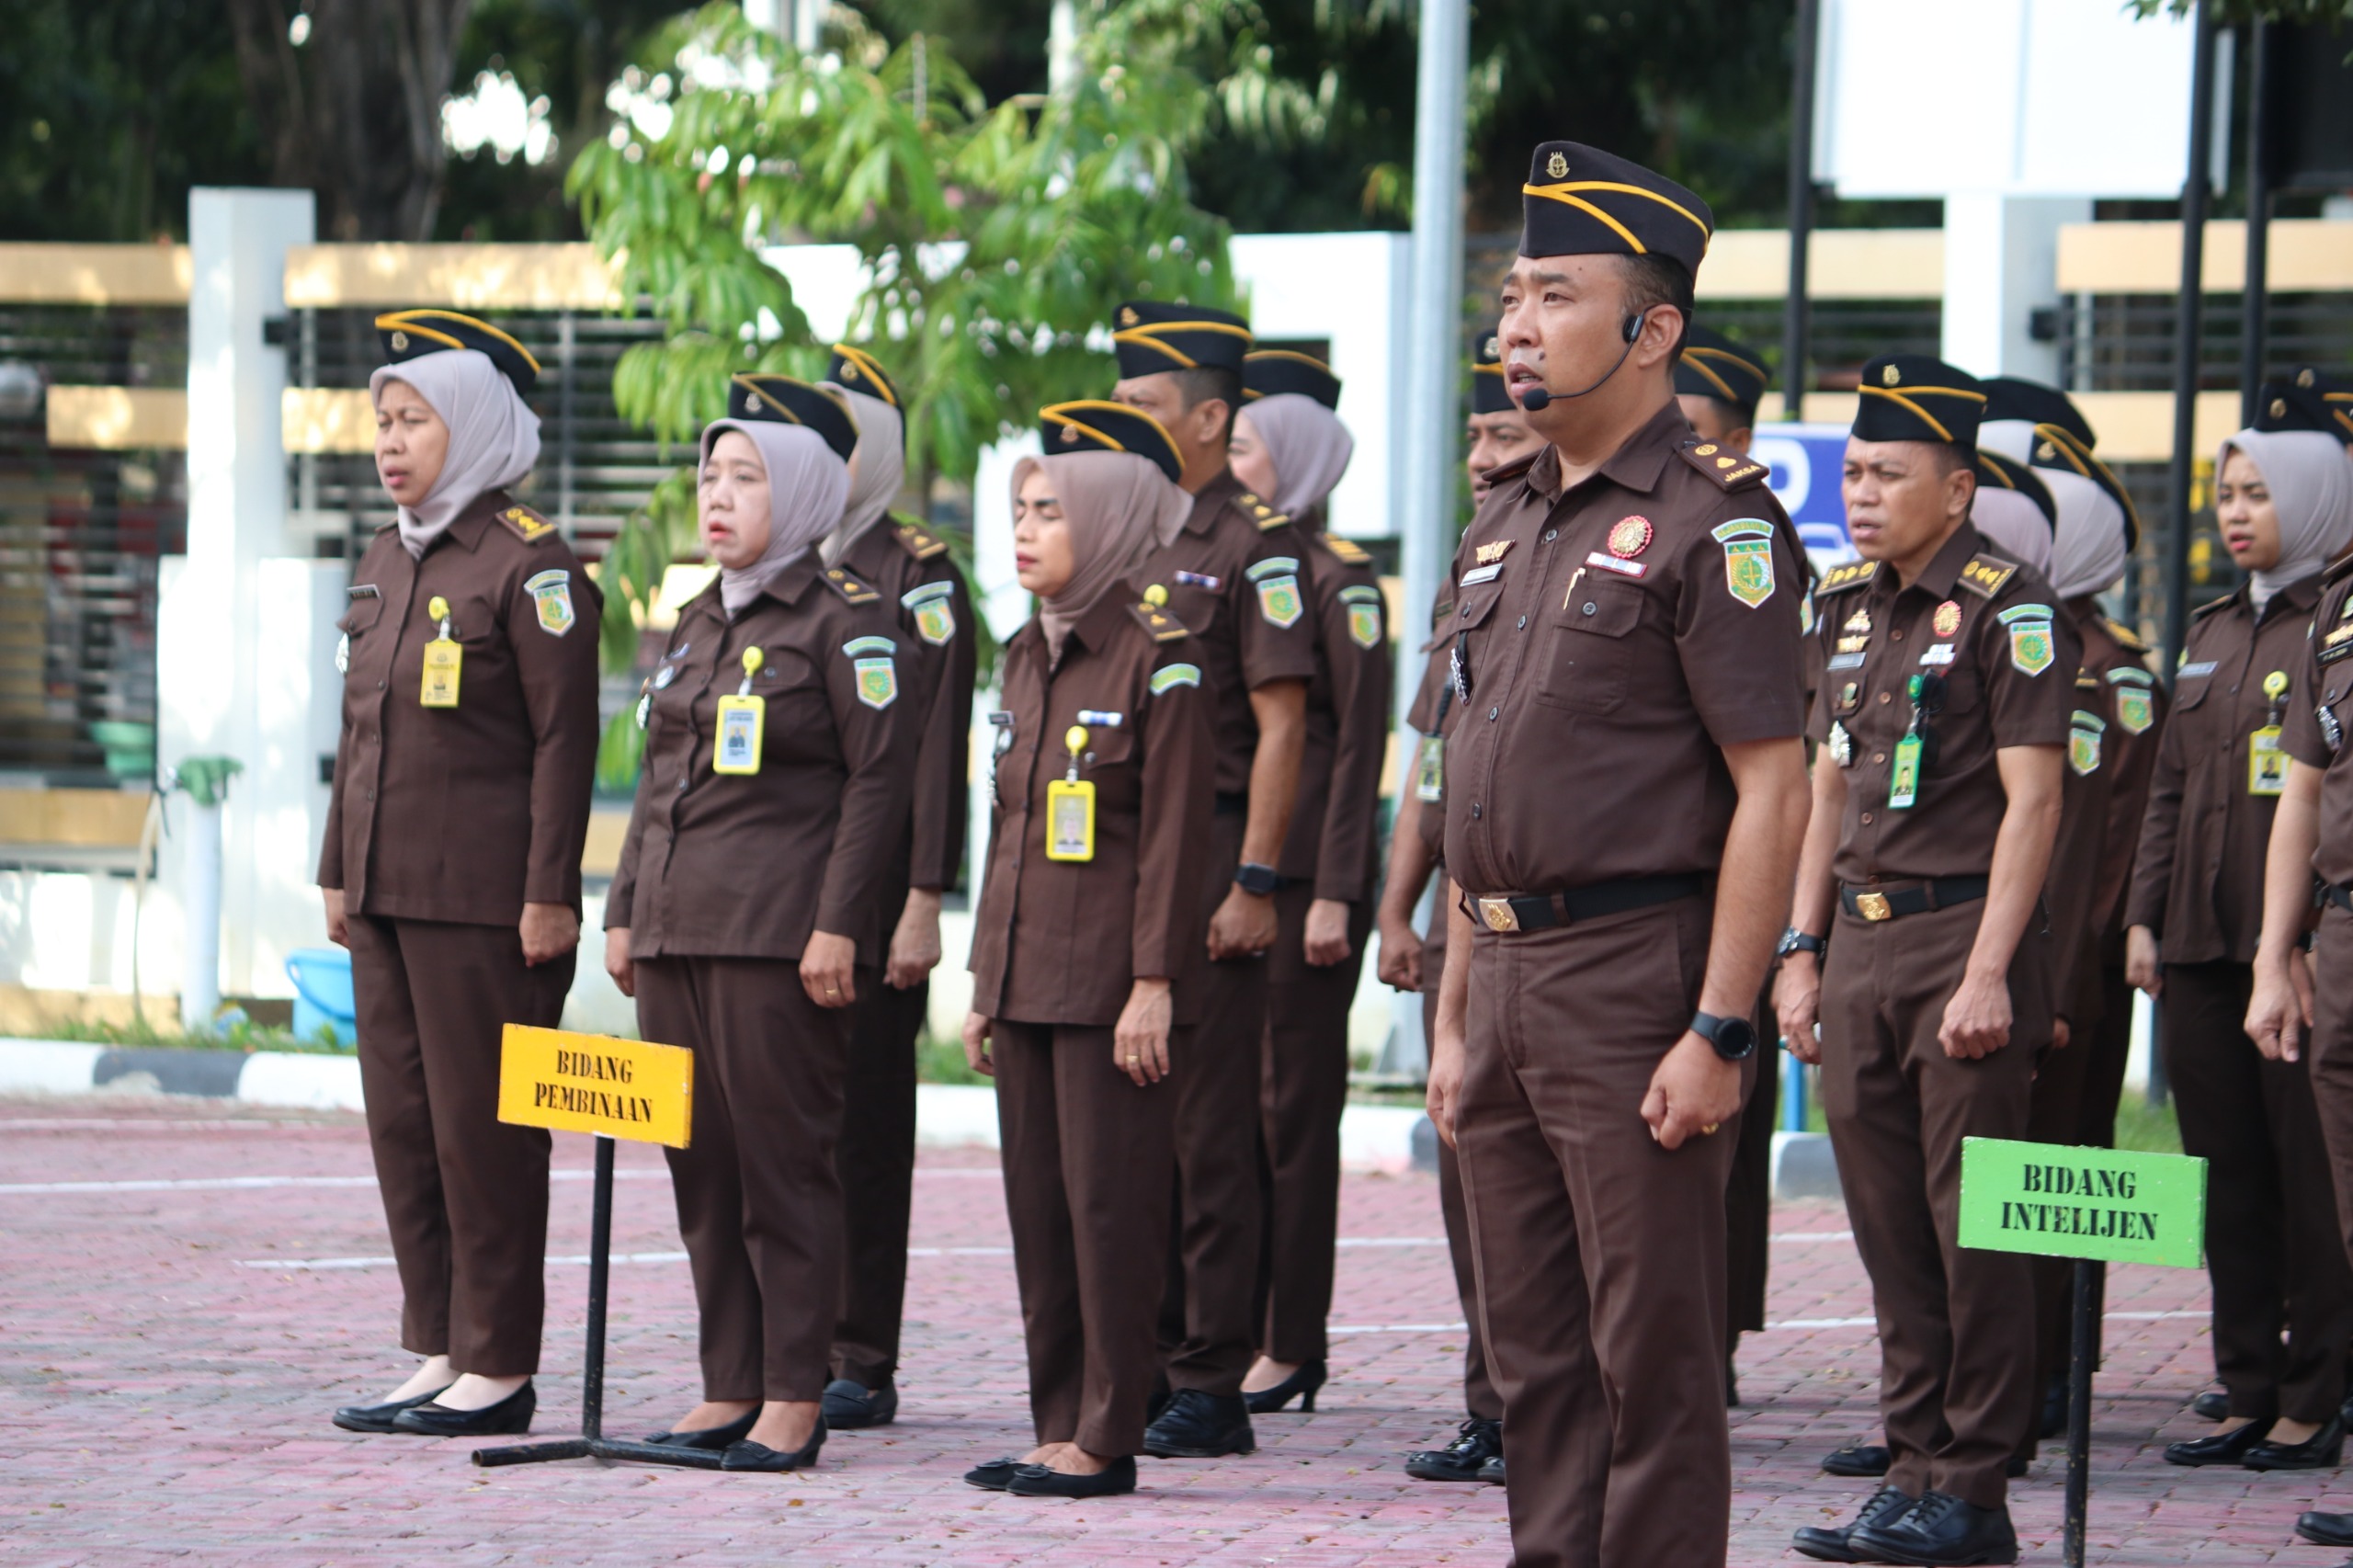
x,y
508,1418
747,1454
379,1418
2222,1448
735,1431
1301,1384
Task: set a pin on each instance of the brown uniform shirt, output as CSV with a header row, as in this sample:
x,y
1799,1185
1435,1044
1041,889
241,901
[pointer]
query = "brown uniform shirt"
x,y
1608,642
1332,841
1425,773
466,813
2197,879
1064,941
2005,685
748,865
2323,679
910,567
1235,576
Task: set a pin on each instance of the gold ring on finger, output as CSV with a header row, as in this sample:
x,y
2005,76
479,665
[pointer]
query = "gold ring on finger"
x,y
1711,1128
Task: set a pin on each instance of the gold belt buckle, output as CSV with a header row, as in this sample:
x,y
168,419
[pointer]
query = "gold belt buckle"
x,y
1873,906
1499,914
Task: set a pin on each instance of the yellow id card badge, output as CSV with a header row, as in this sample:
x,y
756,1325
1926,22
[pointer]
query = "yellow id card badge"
x,y
1070,820
736,748
2266,765
1429,770
443,660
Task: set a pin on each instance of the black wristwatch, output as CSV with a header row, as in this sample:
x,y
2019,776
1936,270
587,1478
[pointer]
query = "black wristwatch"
x,y
1256,879
1796,942
1734,1038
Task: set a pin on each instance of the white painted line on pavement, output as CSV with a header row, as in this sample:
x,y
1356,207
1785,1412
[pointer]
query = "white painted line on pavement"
x,y
1398,1328
190,1184
1814,1236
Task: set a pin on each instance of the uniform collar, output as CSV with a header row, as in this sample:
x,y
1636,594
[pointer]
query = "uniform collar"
x,y
1943,571
1637,463
2299,597
1209,498
1101,623
470,525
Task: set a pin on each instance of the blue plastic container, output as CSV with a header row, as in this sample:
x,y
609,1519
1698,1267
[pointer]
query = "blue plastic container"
x,y
321,978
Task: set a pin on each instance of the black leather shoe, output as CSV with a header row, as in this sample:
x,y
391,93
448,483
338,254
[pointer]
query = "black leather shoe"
x,y
507,1417
2017,1467
1887,1504
1858,1459
994,1475
2325,1529
1940,1531
735,1431
2211,1405
379,1418
1492,1472
749,1455
1301,1384
2054,1408
2223,1448
1462,1460
850,1406
1732,1385
2322,1450
1197,1426
1037,1481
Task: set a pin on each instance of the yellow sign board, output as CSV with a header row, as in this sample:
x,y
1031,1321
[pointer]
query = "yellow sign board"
x,y
593,1082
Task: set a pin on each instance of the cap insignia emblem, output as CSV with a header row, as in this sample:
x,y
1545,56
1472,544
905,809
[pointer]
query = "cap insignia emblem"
x,y
2046,451
399,342
1707,451
850,371
1629,537
1557,165
1890,376
1126,315
2305,377
1492,350
2279,407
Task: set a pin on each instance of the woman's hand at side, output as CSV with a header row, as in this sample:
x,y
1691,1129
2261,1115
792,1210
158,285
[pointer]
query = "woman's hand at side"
x,y
1140,1043
826,965
617,963
976,1044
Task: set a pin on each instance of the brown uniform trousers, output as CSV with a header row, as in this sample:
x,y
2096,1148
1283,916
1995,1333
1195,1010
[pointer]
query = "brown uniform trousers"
x,y
1330,853
2272,1257
2330,1050
441,825
875,1156
1208,1327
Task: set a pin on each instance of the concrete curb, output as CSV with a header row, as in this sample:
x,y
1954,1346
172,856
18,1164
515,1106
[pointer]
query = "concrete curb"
x,y
1804,1167
1382,1137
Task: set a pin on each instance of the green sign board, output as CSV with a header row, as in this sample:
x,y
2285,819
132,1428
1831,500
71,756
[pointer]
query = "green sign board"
x,y
2062,1201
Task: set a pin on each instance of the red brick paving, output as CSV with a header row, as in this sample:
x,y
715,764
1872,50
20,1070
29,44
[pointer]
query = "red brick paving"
x,y
160,1401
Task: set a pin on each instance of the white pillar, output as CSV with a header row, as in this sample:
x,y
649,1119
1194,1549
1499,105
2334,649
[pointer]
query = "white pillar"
x,y
2002,264
209,623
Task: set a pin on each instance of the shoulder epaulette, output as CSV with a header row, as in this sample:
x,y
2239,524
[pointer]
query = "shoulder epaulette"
x,y
1258,512
1731,471
2336,574
850,587
2126,638
915,541
1853,574
1513,468
1157,623
1985,574
2208,608
1349,551
526,525
2087,681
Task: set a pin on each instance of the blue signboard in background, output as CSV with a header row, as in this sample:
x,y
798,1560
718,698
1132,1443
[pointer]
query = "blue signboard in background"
x,y
1806,460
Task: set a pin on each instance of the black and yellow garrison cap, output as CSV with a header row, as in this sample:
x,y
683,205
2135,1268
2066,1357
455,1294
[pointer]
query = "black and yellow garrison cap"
x,y
780,400
1271,371
1489,394
2056,448
2012,397
408,334
1092,426
1715,366
1996,471
1150,336
855,369
1915,397
1580,201
2308,400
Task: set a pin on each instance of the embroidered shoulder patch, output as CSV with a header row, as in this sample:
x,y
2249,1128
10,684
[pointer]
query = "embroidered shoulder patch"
x,y
934,610
1364,608
877,676
551,599
2031,648
1279,597
1168,677
1748,559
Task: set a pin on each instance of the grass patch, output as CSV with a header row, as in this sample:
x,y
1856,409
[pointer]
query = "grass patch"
x,y
2151,1129
941,1060
241,1035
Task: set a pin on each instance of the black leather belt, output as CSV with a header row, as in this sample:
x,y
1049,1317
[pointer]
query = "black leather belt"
x,y
1875,904
1539,911
1232,804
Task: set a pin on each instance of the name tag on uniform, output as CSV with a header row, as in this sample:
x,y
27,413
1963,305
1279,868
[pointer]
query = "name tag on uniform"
x,y
1937,653
1201,580
1846,661
2192,672
1101,720
1478,574
1611,563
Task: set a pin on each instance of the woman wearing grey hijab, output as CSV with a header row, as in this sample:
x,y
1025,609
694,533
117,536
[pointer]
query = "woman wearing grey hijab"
x,y
2283,501
451,866
745,915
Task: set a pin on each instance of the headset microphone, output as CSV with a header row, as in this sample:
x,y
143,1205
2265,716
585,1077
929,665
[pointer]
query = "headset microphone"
x,y
1536,399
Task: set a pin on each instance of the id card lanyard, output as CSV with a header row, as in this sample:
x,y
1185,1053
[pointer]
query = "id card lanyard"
x,y
1070,807
1903,779
443,659
1429,767
736,748
2266,765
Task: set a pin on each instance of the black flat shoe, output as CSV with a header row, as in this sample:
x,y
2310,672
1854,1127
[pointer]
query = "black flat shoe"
x,y
1036,1481
852,1407
1938,1531
747,1454
2322,1450
2211,1405
992,1476
2223,1448
735,1431
1858,1459
1302,1384
508,1418
1197,1426
379,1418
1886,1506
1732,1385
1462,1460
2325,1529
2054,1408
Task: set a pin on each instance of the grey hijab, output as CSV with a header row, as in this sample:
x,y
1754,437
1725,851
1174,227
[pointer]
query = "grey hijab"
x,y
881,456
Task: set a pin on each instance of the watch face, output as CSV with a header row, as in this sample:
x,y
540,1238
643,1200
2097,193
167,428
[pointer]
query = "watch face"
x,y
1735,1037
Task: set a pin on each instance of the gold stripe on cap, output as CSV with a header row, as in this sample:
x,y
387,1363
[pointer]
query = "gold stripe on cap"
x,y
2079,456
1148,335
1083,429
1990,462
1060,413
1561,193
1309,359
408,319
1554,193
865,361
1495,370
1930,420
1721,385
